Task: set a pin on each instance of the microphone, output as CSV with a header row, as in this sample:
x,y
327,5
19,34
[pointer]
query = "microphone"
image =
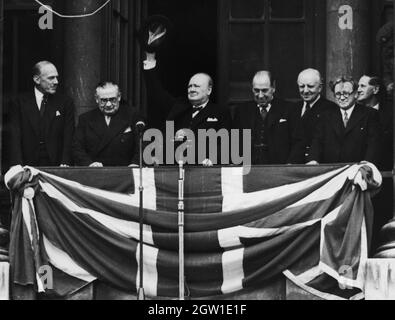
x,y
140,126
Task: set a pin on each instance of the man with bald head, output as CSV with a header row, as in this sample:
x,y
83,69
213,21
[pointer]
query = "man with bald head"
x,y
194,113
42,122
313,104
275,126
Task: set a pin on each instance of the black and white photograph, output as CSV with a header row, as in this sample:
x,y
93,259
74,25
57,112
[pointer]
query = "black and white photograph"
x,y
213,152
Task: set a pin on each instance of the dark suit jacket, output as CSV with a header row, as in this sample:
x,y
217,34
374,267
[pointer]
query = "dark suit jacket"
x,y
179,110
284,134
360,141
114,145
58,122
311,119
386,124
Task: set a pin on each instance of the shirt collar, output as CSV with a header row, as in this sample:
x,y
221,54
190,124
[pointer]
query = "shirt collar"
x,y
268,107
201,106
39,95
312,103
315,101
376,107
349,111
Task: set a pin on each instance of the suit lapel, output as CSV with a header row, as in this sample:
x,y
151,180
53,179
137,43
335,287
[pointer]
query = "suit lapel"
x,y
251,114
356,116
274,114
202,116
50,113
118,123
385,116
98,124
337,122
33,114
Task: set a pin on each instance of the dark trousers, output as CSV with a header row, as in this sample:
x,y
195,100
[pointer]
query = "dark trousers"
x,y
44,160
260,155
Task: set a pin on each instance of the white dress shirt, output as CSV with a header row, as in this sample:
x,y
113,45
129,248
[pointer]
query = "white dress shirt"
x,y
39,97
268,107
311,105
204,105
348,111
108,120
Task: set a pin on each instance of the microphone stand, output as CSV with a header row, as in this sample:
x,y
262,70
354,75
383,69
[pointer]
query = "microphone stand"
x,y
181,279
140,292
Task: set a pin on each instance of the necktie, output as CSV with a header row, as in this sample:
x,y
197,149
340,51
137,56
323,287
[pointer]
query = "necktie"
x,y
108,120
263,111
345,119
43,105
307,109
196,111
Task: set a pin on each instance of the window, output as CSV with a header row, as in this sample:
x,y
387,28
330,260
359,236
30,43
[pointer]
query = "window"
x,y
276,35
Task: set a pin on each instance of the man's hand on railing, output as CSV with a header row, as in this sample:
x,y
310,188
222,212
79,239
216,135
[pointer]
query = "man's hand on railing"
x,y
312,163
151,57
207,163
150,62
96,165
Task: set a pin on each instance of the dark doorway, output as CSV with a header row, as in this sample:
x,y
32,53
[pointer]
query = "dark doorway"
x,y
193,45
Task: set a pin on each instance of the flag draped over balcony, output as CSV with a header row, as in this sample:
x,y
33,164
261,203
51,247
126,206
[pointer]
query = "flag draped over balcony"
x,y
311,224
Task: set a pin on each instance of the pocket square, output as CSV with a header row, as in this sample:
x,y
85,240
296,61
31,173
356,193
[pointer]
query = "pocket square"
x,y
212,120
128,130
58,114
283,120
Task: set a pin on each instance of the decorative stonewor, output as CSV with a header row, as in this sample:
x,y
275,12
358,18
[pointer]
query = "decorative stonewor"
x,y
4,265
380,279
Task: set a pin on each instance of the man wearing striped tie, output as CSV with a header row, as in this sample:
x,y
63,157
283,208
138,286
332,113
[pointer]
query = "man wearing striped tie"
x,y
349,133
42,122
277,136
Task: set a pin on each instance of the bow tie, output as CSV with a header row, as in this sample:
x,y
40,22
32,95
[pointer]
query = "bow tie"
x,y
263,107
198,108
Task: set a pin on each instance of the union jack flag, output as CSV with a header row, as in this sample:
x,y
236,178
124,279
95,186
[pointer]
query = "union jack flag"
x,y
310,224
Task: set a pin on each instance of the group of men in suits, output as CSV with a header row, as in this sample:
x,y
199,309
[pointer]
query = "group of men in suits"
x,y
357,127
43,132
312,131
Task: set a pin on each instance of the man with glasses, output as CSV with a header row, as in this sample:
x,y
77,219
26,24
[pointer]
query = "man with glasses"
x,y
348,134
275,126
105,136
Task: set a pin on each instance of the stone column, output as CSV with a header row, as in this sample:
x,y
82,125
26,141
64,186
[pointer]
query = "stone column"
x,y
348,39
83,52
